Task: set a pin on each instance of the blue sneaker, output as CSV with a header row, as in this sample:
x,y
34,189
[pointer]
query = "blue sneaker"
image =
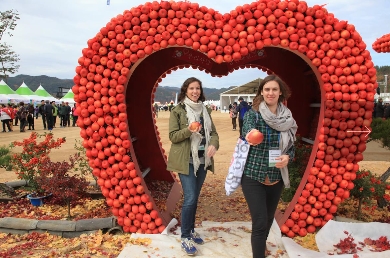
x,y
187,245
196,238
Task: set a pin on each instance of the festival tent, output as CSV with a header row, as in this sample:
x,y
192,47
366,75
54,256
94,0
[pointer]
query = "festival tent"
x,y
43,94
69,97
3,99
25,91
10,96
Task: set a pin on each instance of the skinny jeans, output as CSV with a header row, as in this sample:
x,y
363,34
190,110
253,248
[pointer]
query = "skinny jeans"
x,y
191,185
262,202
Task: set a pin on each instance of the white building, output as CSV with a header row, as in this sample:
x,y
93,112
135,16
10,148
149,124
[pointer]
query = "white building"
x,y
247,91
384,96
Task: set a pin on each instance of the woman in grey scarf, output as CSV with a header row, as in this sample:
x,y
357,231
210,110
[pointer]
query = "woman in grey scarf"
x,y
194,143
265,171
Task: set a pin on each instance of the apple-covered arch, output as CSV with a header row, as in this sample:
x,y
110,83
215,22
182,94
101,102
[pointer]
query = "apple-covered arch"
x,y
323,60
382,44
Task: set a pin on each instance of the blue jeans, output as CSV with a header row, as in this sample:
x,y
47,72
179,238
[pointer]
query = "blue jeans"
x,y
191,185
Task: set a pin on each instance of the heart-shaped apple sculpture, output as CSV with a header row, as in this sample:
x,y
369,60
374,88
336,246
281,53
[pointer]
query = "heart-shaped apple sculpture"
x,y
382,44
323,60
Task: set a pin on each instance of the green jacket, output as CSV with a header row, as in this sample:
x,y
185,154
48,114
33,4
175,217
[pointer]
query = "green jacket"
x,y
179,135
55,110
62,110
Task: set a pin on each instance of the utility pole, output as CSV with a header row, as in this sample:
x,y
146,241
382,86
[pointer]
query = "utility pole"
x,y
385,90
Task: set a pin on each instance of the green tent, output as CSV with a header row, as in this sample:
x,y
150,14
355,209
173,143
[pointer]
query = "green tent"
x,y
25,91
43,94
7,95
69,97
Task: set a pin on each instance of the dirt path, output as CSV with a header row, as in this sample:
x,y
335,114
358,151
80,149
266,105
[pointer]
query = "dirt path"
x,y
376,158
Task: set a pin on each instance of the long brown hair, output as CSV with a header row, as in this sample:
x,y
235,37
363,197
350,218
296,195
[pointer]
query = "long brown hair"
x,y
286,93
184,87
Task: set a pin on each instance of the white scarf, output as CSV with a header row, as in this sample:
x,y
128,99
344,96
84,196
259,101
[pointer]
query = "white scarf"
x,y
194,110
286,125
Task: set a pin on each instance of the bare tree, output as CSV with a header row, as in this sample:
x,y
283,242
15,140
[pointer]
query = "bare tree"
x,y
8,58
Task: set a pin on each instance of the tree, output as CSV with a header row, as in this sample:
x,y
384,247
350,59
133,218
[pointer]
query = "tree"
x,y
8,58
380,132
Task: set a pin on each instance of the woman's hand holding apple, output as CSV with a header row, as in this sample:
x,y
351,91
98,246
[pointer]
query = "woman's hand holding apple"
x,y
254,137
195,127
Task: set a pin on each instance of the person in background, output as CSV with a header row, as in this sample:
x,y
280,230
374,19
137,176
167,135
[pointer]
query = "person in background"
x,y
67,115
49,111
30,116
191,154
61,113
75,115
55,113
263,178
36,112
41,110
5,117
22,115
386,114
15,109
241,110
12,109
155,107
170,106
233,115
380,109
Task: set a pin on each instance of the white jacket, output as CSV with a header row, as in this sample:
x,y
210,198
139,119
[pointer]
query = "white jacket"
x,y
4,115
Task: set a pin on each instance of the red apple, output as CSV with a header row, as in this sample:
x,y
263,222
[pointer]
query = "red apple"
x,y
255,137
194,126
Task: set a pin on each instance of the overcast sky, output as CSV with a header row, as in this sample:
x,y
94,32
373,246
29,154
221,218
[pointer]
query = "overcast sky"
x,y
50,34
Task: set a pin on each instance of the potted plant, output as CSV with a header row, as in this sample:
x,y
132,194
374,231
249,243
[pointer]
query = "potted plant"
x,y
27,164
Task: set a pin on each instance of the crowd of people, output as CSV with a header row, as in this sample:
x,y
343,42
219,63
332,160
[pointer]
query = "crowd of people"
x,y
238,111
381,110
23,115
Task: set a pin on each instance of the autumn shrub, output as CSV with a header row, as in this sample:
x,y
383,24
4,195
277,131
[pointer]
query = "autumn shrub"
x,y
297,167
27,163
55,178
368,190
64,180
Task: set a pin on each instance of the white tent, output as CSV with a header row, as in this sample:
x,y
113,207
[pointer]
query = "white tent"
x,y
3,99
10,96
69,97
25,91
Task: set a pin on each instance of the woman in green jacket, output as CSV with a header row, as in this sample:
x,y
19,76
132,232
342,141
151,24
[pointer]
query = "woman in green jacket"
x,y
55,112
191,154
